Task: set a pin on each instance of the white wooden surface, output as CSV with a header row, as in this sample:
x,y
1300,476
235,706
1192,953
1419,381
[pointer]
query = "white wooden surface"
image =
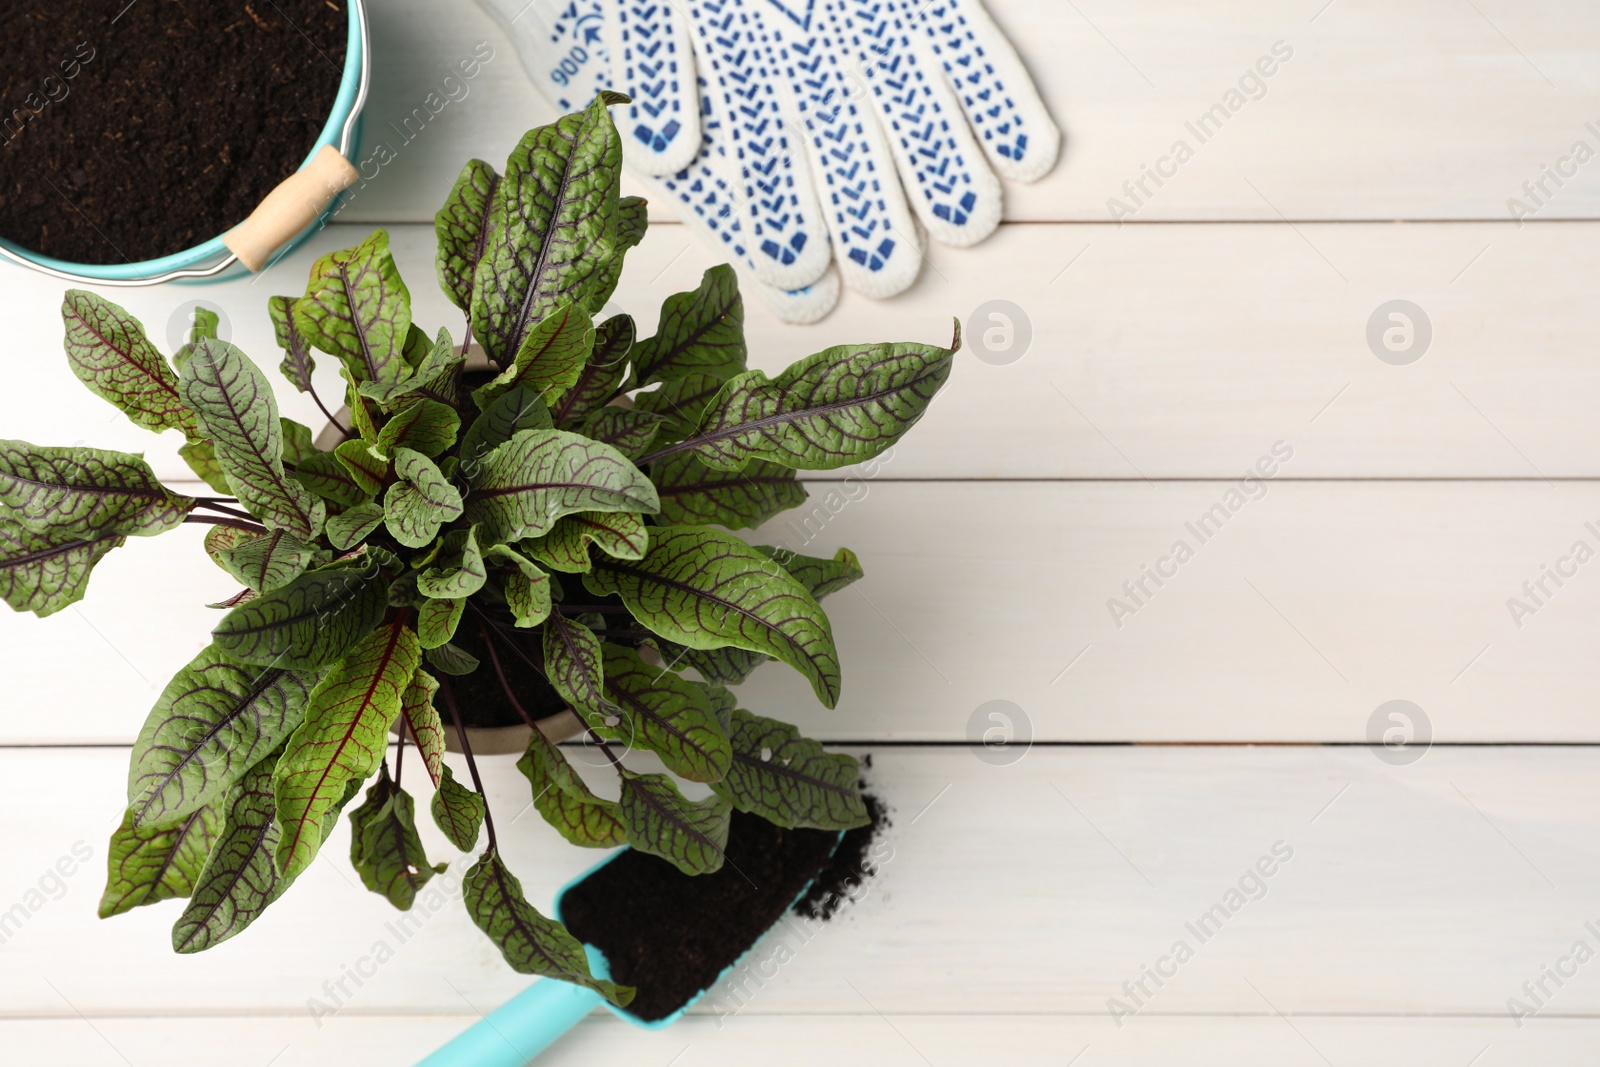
x,y
1165,360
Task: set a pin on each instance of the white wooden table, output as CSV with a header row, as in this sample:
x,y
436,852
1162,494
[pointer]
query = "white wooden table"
x,y
1177,741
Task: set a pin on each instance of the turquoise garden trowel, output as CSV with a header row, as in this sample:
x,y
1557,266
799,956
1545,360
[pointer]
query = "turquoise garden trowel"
x,y
533,1020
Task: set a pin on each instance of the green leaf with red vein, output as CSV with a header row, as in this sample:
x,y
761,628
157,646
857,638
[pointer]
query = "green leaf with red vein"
x,y
841,406
240,878
693,493
357,308
422,719
701,332
144,865
633,218
44,573
461,226
790,780
551,358
526,586
689,834
236,409
459,571
308,623
667,715
601,378
437,620
551,230
420,500
629,432
683,401
704,588
457,810
364,469
518,408
530,942
85,491
385,849
298,362
575,665
109,352
820,576
343,737
565,802
325,475
621,534
213,722
521,488
270,561
423,425
348,529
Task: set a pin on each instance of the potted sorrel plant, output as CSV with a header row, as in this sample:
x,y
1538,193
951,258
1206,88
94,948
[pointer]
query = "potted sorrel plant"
x,y
499,546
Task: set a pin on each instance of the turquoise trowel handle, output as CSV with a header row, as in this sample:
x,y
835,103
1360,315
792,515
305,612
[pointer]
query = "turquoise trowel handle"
x,y
520,1029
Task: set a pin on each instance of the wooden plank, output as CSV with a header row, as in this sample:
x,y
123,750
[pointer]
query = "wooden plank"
x,y
800,1041
1441,110
1309,608
1166,351
1038,888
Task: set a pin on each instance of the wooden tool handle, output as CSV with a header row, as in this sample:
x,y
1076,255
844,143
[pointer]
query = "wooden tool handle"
x,y
290,208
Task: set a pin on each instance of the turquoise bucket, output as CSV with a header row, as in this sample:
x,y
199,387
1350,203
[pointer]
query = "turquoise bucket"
x,y
213,261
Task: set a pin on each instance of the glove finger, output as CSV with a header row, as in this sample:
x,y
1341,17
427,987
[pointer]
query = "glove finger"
x,y
948,181
801,307
870,225
653,62
788,241
560,45
1013,125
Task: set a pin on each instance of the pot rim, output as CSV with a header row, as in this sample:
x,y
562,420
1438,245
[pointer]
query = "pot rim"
x,y
212,259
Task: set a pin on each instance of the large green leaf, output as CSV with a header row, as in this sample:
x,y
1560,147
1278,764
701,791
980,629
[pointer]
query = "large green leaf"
x,y
704,588
566,547
299,443
420,501
212,723
426,729
350,528
423,425
325,475
145,865
689,834
518,408
357,308
457,810
790,780
575,666
459,571
841,406
701,332
525,485
629,432
633,218
297,362
433,378
437,621
551,227
236,409
108,351
240,878
692,493
667,715
551,358
270,561
308,623
343,737
683,401
530,943
67,491
601,378
385,849
366,470
566,802
44,573
461,226
201,456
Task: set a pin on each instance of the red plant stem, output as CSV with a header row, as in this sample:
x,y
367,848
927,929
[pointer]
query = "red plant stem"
x,y
602,609
466,749
612,756
206,502
328,414
223,520
505,684
400,752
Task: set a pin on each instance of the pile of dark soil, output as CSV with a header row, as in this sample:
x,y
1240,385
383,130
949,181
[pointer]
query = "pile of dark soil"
x,y
670,935
129,131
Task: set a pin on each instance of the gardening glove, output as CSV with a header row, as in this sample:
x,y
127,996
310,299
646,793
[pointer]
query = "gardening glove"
x,y
805,91
562,46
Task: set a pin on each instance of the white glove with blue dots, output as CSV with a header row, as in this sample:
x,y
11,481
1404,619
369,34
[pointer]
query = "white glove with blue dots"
x,y
813,140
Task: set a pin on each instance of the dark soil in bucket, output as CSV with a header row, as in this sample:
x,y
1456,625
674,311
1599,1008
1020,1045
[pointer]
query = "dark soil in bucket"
x,y
130,131
479,695
669,935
